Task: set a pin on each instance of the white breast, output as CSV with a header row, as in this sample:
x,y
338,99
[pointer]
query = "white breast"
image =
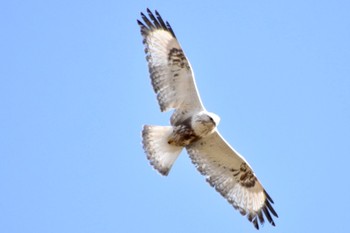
x,y
203,124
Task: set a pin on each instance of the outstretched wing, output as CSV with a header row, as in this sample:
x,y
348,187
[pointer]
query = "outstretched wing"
x,y
170,71
232,177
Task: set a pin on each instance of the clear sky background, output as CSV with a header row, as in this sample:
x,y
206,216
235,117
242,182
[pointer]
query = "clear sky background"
x,y
75,92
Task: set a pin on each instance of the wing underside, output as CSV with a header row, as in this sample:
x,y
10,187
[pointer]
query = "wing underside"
x,y
170,71
232,177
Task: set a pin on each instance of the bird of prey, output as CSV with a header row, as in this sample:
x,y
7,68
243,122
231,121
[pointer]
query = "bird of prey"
x,y
193,127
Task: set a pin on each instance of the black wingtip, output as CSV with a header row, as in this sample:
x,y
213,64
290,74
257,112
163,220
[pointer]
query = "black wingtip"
x,y
142,14
170,29
255,222
268,196
261,218
269,206
154,21
140,23
265,213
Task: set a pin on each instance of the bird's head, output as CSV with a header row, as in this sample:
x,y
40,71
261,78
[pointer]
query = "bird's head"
x,y
204,123
214,118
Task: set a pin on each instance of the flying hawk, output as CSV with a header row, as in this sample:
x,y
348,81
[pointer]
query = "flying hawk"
x,y
193,128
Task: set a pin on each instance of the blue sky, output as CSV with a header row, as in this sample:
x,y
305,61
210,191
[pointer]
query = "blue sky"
x,y
75,92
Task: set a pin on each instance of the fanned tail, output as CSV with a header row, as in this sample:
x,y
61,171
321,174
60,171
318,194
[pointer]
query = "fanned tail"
x,y
159,152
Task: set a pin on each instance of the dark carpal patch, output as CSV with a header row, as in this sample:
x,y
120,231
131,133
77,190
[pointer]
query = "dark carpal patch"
x,y
245,176
176,57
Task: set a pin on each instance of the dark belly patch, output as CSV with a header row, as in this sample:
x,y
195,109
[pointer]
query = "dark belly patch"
x,y
182,135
